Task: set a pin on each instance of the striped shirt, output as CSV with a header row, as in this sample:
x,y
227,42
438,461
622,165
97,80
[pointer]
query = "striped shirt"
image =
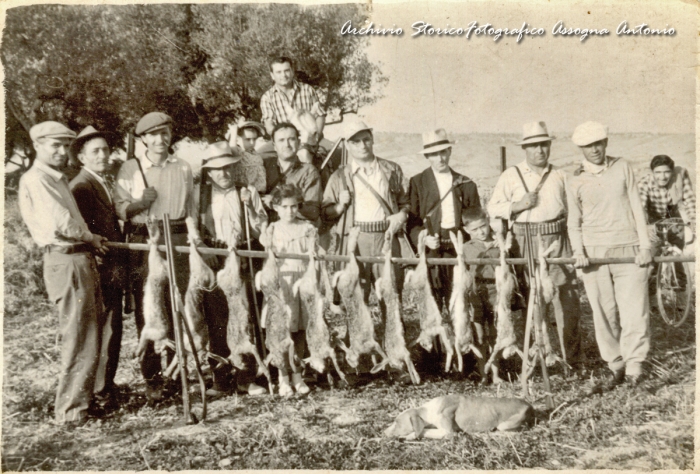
x,y
226,213
172,181
49,209
657,200
276,105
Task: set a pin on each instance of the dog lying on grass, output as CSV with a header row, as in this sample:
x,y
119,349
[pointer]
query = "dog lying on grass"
x,y
441,417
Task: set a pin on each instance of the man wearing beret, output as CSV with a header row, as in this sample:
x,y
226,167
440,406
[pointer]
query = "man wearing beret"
x,y
438,196
70,273
533,192
606,220
150,186
93,192
225,207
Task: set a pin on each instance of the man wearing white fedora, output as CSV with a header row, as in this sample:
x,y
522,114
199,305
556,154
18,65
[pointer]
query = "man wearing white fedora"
x,y
606,220
534,192
438,196
224,206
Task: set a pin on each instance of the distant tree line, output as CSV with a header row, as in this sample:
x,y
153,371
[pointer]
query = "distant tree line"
x,y
205,65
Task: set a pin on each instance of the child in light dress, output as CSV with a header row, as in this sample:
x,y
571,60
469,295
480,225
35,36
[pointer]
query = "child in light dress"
x,y
289,235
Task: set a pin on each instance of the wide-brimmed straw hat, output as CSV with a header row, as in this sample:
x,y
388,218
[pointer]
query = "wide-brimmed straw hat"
x,y
219,155
535,132
434,141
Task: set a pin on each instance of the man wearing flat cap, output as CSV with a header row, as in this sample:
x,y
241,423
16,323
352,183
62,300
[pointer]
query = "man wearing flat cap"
x,y
148,187
226,206
606,220
534,192
94,193
370,192
438,196
70,272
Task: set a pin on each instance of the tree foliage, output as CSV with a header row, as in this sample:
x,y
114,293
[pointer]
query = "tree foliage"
x,y
107,65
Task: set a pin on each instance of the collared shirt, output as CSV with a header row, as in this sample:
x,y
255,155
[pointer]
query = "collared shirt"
x,y
276,106
226,213
302,175
447,206
102,182
657,200
551,198
49,209
593,168
368,208
172,180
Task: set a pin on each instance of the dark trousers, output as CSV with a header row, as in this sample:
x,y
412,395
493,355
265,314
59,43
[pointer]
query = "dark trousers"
x,y
216,315
138,262
566,303
111,337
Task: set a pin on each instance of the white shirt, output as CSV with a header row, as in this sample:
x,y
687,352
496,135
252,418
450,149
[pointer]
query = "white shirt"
x,y
551,200
226,212
447,206
367,207
102,182
49,209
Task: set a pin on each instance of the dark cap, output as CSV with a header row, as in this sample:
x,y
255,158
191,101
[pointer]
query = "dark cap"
x,y
152,122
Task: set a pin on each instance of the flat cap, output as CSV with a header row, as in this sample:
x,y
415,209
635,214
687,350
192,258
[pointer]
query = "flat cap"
x,y
50,129
353,128
152,122
255,125
219,155
589,132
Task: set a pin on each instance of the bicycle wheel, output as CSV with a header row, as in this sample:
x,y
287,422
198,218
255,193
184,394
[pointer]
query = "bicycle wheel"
x,y
675,293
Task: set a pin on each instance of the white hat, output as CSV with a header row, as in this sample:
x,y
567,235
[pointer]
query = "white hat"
x,y
434,141
589,132
50,129
220,154
535,132
353,128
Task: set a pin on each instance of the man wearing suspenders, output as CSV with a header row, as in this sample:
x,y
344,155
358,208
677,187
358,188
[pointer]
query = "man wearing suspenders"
x,y
224,226
534,192
438,196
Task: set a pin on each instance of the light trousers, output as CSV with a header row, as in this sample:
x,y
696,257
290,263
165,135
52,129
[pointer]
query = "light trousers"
x,y
619,300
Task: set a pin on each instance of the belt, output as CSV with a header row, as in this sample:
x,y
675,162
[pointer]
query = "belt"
x,y
68,249
176,227
373,226
555,226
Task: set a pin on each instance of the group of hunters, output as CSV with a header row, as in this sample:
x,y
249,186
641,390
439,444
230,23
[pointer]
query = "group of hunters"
x,y
600,210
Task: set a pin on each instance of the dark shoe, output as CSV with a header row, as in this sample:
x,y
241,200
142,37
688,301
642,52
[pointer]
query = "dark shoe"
x,y
617,379
154,394
107,400
95,410
634,380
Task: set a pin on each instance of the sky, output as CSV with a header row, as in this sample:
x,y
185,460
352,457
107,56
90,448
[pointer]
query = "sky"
x,y
630,83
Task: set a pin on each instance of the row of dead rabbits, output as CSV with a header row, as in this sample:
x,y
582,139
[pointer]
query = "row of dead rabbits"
x,y
456,334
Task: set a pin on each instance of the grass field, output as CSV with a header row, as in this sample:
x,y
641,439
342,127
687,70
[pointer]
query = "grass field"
x,y
645,428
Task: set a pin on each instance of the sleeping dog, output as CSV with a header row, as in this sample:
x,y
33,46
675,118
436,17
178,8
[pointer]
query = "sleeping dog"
x,y
442,416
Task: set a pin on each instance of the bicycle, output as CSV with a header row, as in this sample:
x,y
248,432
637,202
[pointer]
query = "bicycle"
x,y
675,282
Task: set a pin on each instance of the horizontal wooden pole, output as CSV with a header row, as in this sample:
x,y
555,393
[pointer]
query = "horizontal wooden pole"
x,y
405,261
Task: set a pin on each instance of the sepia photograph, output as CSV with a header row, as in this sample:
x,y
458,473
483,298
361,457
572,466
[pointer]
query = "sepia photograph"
x,y
313,235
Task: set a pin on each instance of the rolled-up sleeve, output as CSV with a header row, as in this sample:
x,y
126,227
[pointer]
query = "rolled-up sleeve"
x,y
499,206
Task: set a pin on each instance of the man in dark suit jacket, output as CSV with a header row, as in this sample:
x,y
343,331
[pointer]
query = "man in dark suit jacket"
x,y
437,215
92,190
